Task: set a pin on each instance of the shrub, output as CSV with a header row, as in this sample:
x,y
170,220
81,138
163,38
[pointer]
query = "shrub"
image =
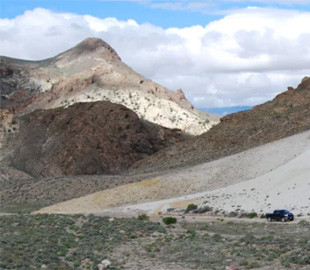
x,y
262,216
299,258
169,220
143,217
252,215
232,214
217,237
192,233
204,209
303,222
191,207
248,239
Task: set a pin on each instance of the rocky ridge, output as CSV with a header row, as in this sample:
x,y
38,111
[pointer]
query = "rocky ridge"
x,y
92,71
85,138
287,114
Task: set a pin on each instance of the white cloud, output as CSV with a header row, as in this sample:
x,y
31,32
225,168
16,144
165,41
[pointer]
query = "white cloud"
x,y
244,58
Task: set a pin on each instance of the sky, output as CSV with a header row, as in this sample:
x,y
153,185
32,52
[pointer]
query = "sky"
x,y
220,53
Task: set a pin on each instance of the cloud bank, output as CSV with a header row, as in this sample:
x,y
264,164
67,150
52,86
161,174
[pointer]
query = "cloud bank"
x,y
245,58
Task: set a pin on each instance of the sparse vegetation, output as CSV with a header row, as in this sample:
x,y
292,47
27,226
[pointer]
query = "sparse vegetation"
x,y
66,242
81,242
204,209
143,217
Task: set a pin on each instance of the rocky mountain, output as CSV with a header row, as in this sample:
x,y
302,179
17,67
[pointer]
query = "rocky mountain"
x,y
287,114
92,71
85,138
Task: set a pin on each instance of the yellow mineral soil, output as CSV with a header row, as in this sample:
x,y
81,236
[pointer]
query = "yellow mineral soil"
x,y
144,191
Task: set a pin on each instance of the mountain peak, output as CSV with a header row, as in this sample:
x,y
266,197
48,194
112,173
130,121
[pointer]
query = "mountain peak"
x,y
93,45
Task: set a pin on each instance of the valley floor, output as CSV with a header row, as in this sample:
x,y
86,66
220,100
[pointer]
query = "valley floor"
x,y
275,175
82,242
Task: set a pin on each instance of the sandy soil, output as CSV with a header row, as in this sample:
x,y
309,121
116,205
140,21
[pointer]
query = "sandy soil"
x,y
275,175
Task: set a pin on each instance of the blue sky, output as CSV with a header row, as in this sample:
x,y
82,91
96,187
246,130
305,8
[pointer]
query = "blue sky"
x,y
122,10
177,13
223,53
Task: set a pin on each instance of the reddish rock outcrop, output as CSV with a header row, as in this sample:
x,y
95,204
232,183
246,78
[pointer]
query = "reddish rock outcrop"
x,y
86,138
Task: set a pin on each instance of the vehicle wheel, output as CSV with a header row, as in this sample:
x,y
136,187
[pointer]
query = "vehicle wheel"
x,y
283,219
269,219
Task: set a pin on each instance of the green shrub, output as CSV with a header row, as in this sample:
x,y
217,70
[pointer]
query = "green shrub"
x,y
169,220
143,217
252,215
262,216
191,207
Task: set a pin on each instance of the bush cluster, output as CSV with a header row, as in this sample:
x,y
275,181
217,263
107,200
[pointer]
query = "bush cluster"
x,y
169,220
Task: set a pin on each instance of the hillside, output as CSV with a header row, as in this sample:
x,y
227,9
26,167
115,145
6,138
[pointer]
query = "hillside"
x,y
85,138
274,175
92,71
287,114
